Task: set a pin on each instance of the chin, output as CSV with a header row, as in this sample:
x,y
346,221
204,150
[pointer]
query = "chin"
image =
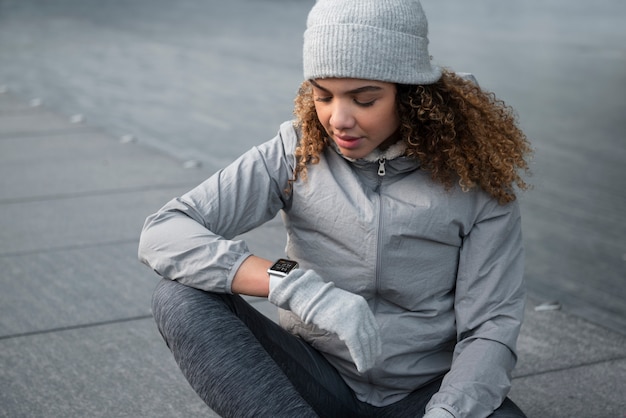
x,y
354,155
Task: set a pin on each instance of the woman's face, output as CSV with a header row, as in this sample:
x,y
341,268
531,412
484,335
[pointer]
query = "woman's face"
x,y
358,115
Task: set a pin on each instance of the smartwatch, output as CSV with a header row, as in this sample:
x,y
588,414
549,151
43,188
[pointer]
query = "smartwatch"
x,y
281,268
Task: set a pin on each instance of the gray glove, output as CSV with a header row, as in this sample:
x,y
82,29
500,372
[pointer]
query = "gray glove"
x,y
438,413
346,314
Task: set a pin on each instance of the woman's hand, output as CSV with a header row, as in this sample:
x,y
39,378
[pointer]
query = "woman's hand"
x,y
346,314
438,413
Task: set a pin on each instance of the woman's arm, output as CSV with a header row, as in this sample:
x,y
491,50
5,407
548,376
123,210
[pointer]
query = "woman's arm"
x,y
489,307
192,239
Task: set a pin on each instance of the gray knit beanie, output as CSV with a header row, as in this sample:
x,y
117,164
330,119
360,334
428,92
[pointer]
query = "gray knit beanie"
x,y
384,40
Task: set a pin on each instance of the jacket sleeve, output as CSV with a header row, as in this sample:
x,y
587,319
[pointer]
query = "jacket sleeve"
x,y
192,238
489,308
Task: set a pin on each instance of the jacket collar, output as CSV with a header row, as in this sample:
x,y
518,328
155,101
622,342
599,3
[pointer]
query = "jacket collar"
x,y
394,157
391,153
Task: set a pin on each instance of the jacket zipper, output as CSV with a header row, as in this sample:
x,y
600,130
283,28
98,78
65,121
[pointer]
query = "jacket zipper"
x,y
381,173
381,167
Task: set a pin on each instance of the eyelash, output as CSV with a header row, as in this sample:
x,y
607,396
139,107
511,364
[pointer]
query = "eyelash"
x,y
366,104
362,104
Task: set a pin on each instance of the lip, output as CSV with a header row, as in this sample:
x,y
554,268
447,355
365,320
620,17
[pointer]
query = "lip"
x,y
347,141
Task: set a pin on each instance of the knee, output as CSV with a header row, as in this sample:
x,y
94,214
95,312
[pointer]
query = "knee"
x,y
172,301
173,308
184,314
175,305
164,295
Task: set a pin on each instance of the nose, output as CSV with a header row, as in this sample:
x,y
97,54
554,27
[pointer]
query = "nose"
x,y
342,117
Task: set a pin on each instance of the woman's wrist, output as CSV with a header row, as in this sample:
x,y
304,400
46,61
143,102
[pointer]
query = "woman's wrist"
x,y
251,278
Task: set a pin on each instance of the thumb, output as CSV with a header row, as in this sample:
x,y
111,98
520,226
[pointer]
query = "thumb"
x,y
367,349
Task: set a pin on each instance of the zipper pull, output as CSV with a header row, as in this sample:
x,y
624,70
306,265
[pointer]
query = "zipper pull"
x,y
381,166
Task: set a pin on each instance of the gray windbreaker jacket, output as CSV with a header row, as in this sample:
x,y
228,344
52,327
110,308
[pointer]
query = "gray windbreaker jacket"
x,y
441,270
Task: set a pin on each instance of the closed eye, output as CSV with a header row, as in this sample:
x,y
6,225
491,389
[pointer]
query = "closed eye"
x,y
323,99
365,104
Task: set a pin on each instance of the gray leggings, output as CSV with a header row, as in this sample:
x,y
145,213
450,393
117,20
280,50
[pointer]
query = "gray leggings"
x,y
244,365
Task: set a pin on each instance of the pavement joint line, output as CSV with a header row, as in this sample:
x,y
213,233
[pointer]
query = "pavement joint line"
x,y
75,327
70,247
564,368
93,193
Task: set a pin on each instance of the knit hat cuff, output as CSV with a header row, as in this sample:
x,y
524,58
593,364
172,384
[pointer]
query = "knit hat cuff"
x,y
367,52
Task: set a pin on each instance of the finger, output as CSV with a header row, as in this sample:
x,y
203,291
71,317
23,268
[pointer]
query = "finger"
x,y
365,351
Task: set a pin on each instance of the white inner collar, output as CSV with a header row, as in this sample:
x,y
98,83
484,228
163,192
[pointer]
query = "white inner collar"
x,y
394,151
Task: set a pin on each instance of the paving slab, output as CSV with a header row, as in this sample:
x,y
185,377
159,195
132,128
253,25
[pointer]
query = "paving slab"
x,y
114,370
66,288
84,162
591,391
10,104
77,221
37,121
553,340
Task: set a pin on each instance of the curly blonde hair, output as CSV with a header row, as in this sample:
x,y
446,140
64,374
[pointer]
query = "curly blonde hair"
x,y
458,132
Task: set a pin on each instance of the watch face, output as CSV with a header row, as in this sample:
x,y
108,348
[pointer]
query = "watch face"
x,y
284,266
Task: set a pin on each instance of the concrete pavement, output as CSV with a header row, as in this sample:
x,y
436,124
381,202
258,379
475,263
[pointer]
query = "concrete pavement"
x,y
76,334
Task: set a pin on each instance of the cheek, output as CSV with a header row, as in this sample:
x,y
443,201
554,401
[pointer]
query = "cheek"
x,y
388,122
394,118
396,121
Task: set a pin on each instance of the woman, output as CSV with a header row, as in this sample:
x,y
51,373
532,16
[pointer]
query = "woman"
x,y
402,294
